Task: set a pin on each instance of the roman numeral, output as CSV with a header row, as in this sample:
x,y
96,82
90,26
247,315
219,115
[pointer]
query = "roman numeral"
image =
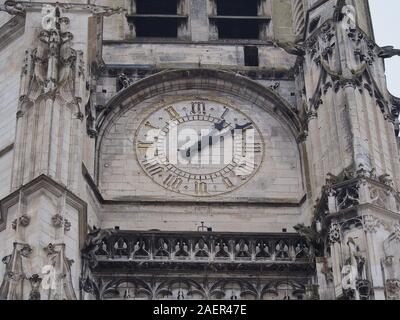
x,y
198,107
173,114
153,168
173,182
145,145
149,126
200,188
253,147
228,183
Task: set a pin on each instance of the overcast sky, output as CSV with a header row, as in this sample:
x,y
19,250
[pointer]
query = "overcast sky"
x,y
386,19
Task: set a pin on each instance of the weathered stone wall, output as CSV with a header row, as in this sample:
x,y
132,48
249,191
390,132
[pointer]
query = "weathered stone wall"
x,y
222,218
192,55
11,57
199,27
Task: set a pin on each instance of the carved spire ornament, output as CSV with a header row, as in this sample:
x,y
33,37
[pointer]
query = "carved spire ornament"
x,y
53,88
57,67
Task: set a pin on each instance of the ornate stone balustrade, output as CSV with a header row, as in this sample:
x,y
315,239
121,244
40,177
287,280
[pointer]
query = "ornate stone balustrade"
x,y
195,265
215,249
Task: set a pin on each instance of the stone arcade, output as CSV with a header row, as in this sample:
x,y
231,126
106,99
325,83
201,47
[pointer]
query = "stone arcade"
x,y
89,212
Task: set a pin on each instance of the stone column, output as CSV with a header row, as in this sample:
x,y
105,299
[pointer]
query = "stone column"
x,y
371,226
335,245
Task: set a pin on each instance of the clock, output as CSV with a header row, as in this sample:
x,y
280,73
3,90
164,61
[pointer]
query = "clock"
x,y
200,148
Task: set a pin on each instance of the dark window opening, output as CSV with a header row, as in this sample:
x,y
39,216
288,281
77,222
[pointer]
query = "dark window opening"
x,y
156,6
251,56
156,28
237,7
238,29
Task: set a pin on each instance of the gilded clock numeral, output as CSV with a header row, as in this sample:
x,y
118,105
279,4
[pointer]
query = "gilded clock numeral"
x,y
201,188
145,145
173,182
173,114
153,168
253,148
228,183
149,126
198,107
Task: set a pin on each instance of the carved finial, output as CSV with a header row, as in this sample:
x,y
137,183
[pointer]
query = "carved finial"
x,y
338,13
26,250
23,221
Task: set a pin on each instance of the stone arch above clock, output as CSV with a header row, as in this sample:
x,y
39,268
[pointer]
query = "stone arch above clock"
x,y
120,175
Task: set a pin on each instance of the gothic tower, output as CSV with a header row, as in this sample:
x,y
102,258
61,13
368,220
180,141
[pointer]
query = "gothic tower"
x,y
197,149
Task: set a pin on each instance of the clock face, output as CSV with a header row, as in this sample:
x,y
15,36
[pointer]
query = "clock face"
x,y
199,148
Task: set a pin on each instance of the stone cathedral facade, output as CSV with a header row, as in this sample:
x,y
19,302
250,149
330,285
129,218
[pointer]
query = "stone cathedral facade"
x,y
88,211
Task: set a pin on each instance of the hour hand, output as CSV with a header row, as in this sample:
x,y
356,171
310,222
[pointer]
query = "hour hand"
x,y
243,126
220,125
201,143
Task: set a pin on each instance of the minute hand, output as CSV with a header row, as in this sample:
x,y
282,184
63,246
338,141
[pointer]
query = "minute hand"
x,y
204,141
217,132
